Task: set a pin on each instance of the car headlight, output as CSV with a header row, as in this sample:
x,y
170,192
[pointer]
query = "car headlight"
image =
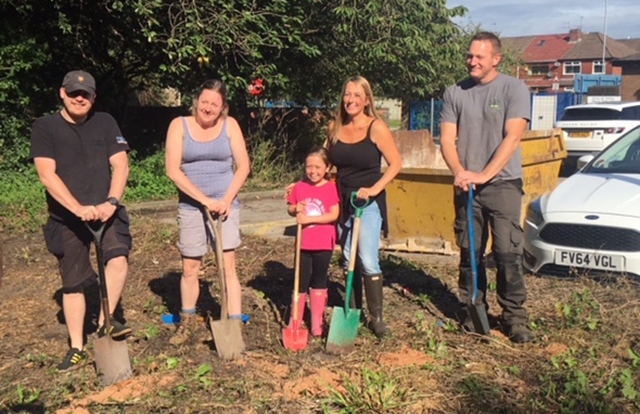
x,y
534,213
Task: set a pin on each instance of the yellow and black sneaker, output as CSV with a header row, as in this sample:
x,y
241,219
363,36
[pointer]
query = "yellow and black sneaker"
x,y
117,330
72,359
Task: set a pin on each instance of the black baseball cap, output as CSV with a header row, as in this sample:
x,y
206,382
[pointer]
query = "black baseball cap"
x,y
79,80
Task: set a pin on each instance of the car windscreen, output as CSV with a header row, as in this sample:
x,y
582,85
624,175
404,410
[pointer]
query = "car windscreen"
x,y
623,156
590,114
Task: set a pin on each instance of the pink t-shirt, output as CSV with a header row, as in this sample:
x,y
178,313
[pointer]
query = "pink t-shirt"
x,y
319,201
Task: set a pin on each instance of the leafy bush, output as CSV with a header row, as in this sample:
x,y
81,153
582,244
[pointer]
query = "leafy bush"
x,y
23,201
14,144
147,178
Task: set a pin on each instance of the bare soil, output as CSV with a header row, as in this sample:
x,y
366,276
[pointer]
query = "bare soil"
x,y
586,358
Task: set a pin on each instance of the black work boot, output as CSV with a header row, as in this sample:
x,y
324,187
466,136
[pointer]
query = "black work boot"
x,y
373,291
519,333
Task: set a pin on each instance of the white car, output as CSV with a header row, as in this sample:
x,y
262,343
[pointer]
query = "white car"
x,y
590,223
590,128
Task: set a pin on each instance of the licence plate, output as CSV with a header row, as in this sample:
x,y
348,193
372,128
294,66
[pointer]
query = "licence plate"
x,y
589,260
580,134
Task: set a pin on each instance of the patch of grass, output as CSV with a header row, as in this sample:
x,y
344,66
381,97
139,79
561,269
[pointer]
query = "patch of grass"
x,y
27,395
149,332
581,310
270,168
372,392
427,333
475,388
202,375
579,382
152,307
172,363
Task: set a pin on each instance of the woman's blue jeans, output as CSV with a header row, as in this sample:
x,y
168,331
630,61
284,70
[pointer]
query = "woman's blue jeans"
x,y
368,240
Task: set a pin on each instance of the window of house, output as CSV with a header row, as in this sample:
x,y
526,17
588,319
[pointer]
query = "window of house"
x,y
571,68
597,67
539,69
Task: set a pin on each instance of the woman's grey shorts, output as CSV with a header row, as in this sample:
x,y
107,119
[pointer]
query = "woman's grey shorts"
x,y
193,233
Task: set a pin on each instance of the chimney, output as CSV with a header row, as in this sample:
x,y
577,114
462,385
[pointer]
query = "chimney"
x,y
575,35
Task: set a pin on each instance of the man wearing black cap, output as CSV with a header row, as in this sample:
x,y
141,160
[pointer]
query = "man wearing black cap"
x,y
81,159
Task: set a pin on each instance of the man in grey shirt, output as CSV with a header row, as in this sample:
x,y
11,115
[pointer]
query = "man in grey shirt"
x,y
488,113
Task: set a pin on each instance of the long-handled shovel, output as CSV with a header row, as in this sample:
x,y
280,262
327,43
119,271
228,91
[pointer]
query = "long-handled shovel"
x,y
295,337
111,356
227,333
345,321
478,312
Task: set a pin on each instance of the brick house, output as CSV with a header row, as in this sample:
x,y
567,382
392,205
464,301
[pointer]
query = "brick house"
x,y
550,62
630,67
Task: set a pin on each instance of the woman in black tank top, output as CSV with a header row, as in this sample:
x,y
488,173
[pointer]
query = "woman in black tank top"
x,y
358,139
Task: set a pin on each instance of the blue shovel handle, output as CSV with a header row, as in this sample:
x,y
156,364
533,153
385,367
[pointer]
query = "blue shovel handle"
x,y
472,245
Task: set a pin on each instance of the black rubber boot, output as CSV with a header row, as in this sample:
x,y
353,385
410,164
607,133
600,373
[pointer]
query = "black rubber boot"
x,y
373,292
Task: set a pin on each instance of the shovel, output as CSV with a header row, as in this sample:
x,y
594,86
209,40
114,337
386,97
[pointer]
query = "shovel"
x,y
111,356
478,312
345,321
295,337
227,333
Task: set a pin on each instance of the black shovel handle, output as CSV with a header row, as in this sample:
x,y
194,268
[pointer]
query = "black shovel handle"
x,y
96,228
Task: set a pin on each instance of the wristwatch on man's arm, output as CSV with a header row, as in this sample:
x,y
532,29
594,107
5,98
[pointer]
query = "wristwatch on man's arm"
x,y
113,201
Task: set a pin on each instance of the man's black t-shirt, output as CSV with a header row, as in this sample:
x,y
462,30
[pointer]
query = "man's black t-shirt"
x,y
81,153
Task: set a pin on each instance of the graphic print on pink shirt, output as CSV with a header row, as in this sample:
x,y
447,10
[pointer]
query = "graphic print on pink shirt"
x,y
318,201
314,208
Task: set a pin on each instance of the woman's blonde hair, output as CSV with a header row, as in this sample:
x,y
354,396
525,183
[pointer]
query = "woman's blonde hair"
x,y
211,85
342,117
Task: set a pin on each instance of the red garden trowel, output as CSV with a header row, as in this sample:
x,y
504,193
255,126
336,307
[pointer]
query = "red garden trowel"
x,y
345,321
477,312
294,336
111,356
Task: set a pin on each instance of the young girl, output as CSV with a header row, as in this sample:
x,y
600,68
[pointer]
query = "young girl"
x,y
315,204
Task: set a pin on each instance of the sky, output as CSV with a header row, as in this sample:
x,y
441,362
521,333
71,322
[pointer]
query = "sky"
x,y
511,18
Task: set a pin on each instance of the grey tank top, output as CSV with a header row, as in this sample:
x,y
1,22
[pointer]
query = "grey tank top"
x,y
208,165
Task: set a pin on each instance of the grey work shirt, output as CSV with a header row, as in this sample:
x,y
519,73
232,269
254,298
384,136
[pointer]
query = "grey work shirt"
x,y
480,112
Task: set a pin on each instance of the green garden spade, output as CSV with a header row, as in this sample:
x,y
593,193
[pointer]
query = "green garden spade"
x,y
345,321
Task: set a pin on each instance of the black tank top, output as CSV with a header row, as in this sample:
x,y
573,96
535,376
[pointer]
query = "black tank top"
x,y
358,165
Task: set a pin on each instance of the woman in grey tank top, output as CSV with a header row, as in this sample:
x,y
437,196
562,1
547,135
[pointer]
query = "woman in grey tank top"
x,y
207,160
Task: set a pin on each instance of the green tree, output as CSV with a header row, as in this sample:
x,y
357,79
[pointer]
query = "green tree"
x,y
234,40
304,49
20,55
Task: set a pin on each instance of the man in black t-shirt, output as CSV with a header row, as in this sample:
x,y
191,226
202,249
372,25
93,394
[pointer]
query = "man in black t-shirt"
x,y
81,159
